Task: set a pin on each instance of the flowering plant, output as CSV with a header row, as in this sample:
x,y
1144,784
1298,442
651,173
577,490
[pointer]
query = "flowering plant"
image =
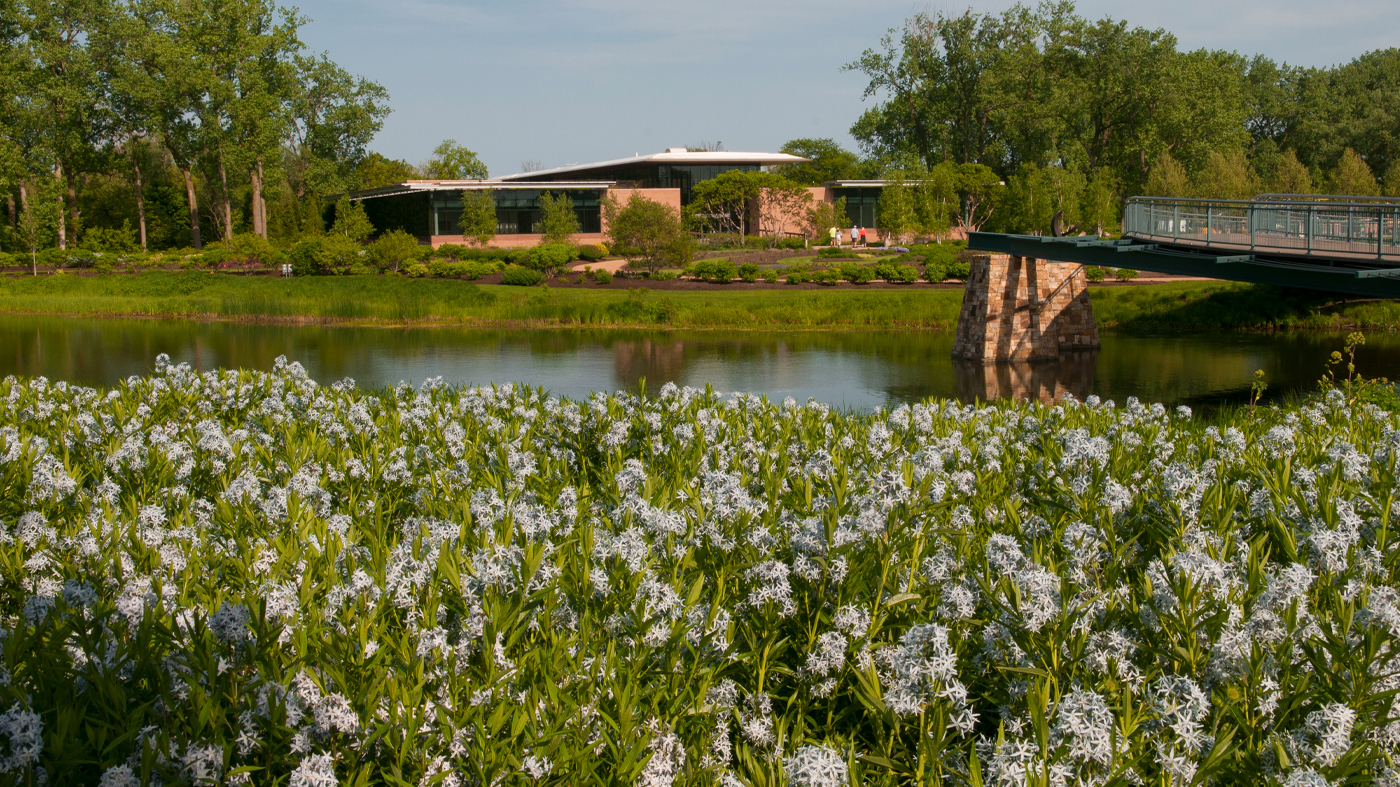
x,y
250,578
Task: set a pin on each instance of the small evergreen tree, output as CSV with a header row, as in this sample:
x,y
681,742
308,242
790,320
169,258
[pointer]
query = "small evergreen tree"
x,y
351,221
1353,177
1290,176
1167,178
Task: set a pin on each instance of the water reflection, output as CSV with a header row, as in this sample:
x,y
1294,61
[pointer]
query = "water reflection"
x,y
849,369
1043,381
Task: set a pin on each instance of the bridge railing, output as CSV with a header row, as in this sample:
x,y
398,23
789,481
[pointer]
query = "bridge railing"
x,y
1339,227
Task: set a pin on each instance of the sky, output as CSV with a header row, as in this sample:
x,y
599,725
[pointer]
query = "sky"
x,y
574,81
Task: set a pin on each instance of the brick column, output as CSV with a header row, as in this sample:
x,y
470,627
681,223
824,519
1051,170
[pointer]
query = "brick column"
x,y
1024,309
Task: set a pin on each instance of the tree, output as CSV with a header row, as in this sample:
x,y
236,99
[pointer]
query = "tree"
x,y
724,200
558,221
38,220
64,86
822,216
451,161
1167,178
376,170
1353,177
1101,202
351,222
829,161
647,230
1391,184
1290,176
978,189
781,202
478,219
1226,177
897,217
334,116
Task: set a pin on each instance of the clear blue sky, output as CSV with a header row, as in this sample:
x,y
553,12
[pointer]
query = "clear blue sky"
x,y
573,81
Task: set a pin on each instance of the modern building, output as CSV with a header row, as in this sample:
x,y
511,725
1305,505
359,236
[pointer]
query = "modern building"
x,y
429,209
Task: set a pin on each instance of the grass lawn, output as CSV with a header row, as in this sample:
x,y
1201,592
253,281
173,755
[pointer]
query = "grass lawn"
x,y
1174,307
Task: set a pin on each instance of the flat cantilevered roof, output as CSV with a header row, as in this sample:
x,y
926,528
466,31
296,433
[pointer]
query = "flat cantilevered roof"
x,y
420,186
676,156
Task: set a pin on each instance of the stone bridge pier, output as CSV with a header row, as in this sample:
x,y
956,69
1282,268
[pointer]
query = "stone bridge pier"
x,y
1024,309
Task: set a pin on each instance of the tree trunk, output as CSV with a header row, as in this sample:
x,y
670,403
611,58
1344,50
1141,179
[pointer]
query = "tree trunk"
x,y
140,196
194,208
262,199
228,203
62,228
255,176
73,201
10,205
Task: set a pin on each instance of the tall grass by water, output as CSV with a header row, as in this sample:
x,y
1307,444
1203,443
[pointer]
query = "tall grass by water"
x,y
1171,307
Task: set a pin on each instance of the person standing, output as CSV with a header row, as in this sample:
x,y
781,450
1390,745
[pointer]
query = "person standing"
x,y
855,235
835,237
863,241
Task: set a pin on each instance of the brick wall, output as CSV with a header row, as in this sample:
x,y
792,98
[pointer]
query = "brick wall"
x,y
1024,309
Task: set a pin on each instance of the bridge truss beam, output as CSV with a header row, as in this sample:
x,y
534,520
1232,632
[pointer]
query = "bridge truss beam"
x,y
1314,273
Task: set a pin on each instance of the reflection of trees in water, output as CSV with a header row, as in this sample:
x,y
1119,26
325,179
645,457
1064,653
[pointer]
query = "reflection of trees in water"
x,y
659,360
1042,381
888,366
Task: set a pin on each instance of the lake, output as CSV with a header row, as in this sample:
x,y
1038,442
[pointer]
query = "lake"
x,y
860,370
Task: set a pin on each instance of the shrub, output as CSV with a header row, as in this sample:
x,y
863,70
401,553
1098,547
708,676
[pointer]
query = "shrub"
x,y
117,240
316,256
894,272
248,246
792,243
447,269
797,276
664,275
1094,273
827,276
770,275
458,252
960,270
832,251
1125,274
857,273
520,276
592,252
550,257
396,248
601,276
644,229
8,260
415,270
722,272
748,272
935,272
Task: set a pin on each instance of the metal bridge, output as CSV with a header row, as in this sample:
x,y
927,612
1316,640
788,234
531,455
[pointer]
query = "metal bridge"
x,y
1334,243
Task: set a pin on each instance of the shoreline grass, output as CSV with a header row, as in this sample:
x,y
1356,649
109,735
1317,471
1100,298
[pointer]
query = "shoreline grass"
x,y
1178,307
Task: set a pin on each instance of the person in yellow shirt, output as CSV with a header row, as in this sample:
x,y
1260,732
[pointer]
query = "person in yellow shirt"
x,y
835,237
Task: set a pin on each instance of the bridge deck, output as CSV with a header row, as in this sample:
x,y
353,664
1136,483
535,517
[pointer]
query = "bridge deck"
x,y
1280,245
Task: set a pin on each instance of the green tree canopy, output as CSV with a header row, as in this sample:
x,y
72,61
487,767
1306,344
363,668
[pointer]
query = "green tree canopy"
x,y
451,161
829,161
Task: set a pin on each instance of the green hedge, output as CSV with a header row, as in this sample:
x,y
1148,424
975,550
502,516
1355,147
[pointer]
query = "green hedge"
x,y
447,269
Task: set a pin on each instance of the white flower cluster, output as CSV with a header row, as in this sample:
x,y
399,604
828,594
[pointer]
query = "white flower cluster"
x,y
250,578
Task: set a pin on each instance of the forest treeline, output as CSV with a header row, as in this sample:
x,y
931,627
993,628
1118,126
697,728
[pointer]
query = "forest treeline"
x,y
157,124
168,123
1035,110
